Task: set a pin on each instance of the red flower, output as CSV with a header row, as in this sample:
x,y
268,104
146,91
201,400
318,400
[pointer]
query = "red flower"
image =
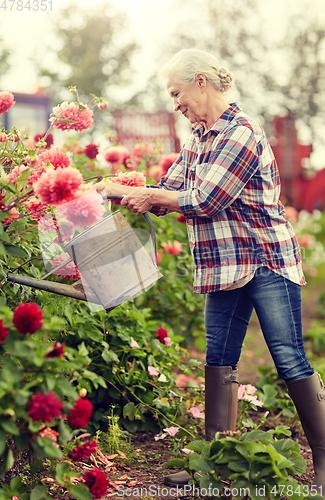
x,y
80,414
44,407
35,207
84,450
182,219
81,119
97,482
57,186
172,249
3,332
6,101
56,352
167,161
49,139
117,154
55,157
91,150
28,318
161,334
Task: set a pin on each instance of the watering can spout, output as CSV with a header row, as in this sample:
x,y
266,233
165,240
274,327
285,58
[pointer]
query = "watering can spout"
x,y
76,291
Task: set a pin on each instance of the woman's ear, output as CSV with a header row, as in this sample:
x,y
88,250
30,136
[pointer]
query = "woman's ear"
x,y
201,81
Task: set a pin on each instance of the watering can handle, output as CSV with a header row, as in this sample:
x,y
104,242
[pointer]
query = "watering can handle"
x,y
145,215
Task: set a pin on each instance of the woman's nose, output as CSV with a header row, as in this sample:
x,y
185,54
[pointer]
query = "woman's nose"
x,y
176,105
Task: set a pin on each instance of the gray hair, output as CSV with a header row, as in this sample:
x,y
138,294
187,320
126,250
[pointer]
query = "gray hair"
x,y
187,63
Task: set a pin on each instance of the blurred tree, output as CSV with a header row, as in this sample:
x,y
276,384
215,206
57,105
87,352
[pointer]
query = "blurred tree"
x,y
233,31
303,92
95,51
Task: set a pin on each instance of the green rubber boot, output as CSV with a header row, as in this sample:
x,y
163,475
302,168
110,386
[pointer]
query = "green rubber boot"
x,y
308,395
221,397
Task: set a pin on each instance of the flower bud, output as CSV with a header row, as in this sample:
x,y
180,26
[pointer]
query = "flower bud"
x,y
9,413
83,392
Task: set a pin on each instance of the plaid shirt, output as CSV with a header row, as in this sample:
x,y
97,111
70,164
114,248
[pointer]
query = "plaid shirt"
x,y
229,192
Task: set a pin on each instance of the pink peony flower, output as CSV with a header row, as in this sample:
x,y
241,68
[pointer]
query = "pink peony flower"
x,y
152,371
91,151
3,332
167,161
83,210
117,154
305,240
172,249
81,119
14,215
58,186
15,173
196,411
134,343
291,214
69,271
6,101
97,482
47,224
66,231
130,179
55,157
44,407
80,413
28,318
35,208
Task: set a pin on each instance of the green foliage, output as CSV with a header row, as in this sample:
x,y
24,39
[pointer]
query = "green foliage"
x,y
274,395
257,461
26,370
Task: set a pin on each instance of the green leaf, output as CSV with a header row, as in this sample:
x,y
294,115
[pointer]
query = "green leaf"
x,y
129,411
199,464
109,356
80,491
10,427
175,463
64,434
3,442
199,446
16,251
63,470
39,493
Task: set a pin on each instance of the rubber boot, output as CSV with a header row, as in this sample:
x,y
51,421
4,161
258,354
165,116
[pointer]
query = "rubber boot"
x,y
308,395
221,397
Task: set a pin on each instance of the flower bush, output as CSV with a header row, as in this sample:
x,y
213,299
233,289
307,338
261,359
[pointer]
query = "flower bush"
x,y
40,410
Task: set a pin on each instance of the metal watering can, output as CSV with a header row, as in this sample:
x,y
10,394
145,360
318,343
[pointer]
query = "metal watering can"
x,y
113,262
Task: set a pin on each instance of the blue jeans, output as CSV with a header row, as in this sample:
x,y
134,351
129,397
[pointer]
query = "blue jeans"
x,y
277,302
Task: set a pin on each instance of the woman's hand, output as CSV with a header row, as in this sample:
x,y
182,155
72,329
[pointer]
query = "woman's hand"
x,y
102,186
138,200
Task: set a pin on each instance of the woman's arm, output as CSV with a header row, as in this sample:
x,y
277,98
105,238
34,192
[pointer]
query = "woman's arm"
x,y
141,199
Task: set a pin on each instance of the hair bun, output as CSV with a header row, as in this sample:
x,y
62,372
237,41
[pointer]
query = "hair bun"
x,y
225,78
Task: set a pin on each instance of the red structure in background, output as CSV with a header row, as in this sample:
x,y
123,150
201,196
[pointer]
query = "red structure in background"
x,y
132,128
290,154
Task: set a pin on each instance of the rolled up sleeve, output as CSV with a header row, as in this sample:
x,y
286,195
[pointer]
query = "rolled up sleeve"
x,y
220,181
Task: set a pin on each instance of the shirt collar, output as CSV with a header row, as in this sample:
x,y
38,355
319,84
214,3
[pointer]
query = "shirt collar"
x,y
222,121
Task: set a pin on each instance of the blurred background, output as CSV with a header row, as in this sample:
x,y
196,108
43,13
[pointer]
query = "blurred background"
x,y
276,51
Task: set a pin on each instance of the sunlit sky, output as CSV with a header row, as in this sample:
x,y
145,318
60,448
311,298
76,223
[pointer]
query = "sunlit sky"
x,y
151,22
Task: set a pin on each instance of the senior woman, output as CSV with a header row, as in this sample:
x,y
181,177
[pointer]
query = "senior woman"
x,y
226,183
